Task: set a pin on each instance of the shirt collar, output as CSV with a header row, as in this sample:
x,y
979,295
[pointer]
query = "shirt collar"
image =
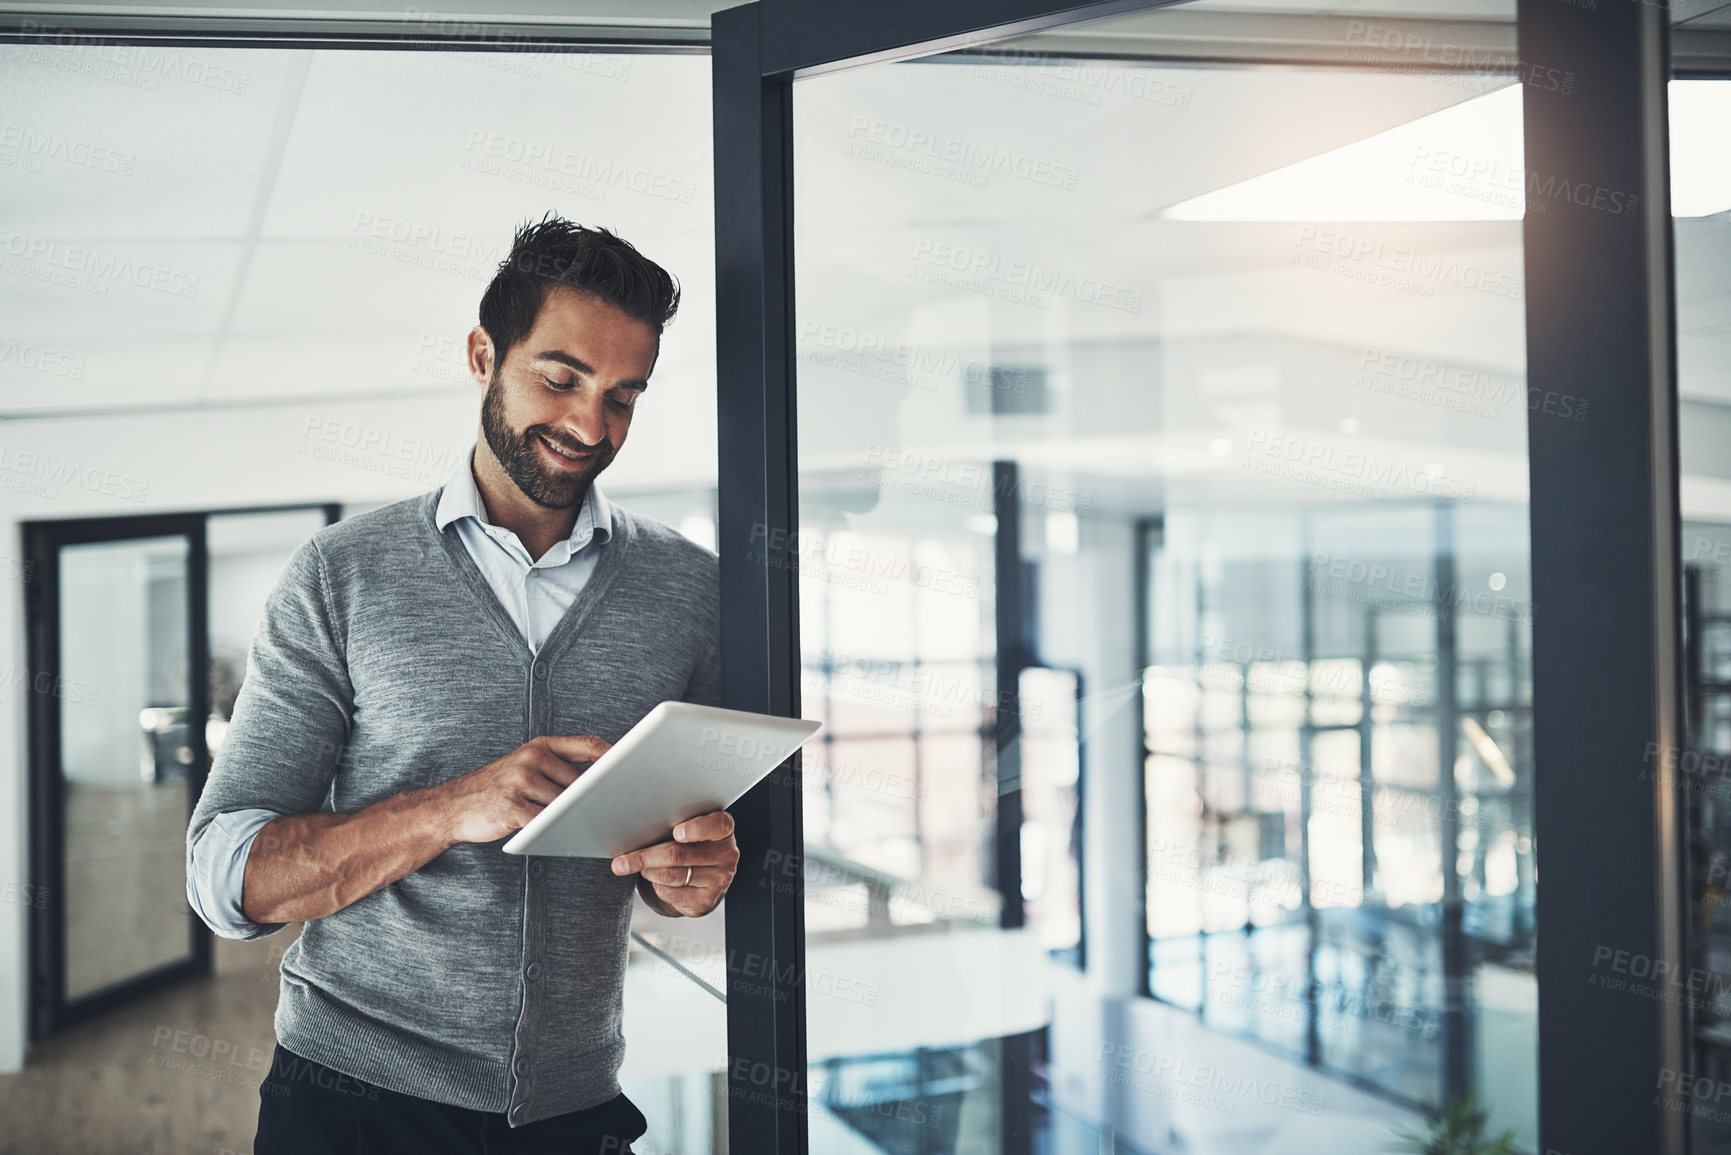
x,y
462,498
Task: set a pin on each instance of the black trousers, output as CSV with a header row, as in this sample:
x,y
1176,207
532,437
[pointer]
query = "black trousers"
x,y
306,1108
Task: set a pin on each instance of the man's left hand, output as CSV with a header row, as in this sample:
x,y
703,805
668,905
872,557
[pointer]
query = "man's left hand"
x,y
689,875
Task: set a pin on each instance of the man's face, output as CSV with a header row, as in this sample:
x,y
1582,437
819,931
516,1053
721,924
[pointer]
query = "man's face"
x,y
557,409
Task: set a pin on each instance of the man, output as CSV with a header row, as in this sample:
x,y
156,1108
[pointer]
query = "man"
x,y
427,677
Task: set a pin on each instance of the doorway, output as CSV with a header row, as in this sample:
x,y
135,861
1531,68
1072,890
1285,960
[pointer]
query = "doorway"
x,y
137,635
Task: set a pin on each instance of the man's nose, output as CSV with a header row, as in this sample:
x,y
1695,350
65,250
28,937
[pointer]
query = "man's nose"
x,y
584,420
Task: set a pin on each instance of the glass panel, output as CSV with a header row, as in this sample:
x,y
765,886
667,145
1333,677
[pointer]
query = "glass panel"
x,y
1701,205
1231,354
124,758
1051,817
247,553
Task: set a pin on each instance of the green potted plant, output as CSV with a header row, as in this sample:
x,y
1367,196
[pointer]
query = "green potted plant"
x,y
1460,1130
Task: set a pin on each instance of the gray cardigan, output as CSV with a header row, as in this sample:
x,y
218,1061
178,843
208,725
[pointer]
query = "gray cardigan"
x,y
385,663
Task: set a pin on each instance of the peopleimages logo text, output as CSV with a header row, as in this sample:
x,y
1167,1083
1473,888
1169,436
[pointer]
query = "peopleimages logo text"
x,y
64,471
1368,475
102,267
1406,268
987,269
988,160
151,62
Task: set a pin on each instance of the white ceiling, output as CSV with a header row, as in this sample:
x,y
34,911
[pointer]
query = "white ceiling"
x,y
1241,329
341,212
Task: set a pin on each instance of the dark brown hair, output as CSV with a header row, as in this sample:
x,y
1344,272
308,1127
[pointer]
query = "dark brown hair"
x,y
556,251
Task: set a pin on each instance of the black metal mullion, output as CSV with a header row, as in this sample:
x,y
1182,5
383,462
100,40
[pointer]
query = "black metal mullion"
x,y
313,32
1605,548
757,504
198,700
47,827
810,37
1368,886
1456,965
1143,565
1011,648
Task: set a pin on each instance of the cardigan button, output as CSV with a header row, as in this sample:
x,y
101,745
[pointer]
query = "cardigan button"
x,y
540,669
534,971
537,869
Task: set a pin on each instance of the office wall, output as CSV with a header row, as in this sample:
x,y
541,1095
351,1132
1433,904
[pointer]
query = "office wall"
x,y
347,452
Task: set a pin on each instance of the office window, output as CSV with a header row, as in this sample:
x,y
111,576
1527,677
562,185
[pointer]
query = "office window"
x,y
1701,207
1296,808
1252,508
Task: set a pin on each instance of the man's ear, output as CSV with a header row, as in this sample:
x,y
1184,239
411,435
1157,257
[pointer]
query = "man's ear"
x,y
480,356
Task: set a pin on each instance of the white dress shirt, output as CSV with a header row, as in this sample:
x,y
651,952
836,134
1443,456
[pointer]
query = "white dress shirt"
x,y
536,592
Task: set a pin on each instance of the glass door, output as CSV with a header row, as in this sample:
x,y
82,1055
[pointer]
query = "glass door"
x,y
118,694
1207,381
1701,205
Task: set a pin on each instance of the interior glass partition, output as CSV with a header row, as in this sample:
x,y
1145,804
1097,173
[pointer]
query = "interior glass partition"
x,y
1701,204
1205,384
127,762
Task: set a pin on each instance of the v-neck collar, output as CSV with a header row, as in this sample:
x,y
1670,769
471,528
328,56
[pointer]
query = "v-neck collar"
x,y
461,497
607,566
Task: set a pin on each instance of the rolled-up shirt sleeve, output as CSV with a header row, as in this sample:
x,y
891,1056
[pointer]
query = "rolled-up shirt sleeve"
x,y
217,881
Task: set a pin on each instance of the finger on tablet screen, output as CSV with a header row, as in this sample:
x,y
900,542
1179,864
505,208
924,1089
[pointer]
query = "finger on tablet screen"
x,y
577,747
711,827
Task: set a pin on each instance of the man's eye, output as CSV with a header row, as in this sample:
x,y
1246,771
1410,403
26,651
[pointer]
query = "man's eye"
x,y
622,406
560,385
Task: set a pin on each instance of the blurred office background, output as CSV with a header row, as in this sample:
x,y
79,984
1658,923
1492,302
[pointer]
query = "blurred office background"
x,y
1162,434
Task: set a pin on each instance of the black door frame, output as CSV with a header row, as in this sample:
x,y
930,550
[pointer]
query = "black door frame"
x,y
1604,523
50,1010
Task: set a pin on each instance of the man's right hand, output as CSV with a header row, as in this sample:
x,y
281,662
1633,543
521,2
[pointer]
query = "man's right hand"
x,y
306,866
501,797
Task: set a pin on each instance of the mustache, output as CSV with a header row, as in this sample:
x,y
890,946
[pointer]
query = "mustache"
x,y
603,447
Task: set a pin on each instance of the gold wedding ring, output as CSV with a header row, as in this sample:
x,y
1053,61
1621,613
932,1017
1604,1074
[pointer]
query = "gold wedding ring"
x,y
687,881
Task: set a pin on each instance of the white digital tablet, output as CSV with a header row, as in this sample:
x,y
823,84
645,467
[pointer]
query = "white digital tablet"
x,y
680,761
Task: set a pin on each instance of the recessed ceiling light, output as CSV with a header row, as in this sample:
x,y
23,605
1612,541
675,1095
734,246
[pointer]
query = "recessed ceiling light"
x,y
1462,163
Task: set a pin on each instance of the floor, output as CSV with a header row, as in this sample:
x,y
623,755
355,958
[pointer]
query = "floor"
x,y
125,880
175,1074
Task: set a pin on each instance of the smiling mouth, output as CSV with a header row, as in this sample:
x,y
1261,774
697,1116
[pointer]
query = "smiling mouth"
x,y
564,456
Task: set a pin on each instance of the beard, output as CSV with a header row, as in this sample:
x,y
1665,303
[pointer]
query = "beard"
x,y
521,458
